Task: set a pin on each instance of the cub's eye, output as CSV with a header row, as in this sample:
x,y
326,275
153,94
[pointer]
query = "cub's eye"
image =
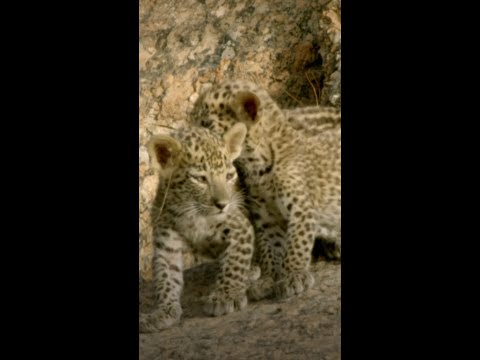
x,y
230,176
200,178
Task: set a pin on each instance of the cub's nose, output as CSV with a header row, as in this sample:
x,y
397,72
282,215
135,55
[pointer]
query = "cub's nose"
x,y
220,203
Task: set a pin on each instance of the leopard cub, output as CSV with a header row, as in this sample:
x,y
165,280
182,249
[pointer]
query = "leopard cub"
x,y
198,209
290,167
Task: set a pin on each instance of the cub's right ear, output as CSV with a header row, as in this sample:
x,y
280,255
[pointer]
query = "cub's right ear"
x,y
246,106
164,152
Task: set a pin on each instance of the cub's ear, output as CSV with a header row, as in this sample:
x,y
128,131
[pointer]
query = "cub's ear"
x,y
164,151
246,106
234,139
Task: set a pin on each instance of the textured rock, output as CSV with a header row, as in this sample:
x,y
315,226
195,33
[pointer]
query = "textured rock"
x,y
292,48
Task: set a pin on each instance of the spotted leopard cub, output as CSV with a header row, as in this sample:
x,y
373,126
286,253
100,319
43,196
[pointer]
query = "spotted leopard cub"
x,y
198,208
290,167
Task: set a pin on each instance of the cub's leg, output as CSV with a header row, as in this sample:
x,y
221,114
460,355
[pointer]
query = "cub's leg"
x,y
269,250
229,293
295,276
168,275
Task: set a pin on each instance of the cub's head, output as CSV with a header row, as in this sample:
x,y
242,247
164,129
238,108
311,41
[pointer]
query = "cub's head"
x,y
197,168
219,108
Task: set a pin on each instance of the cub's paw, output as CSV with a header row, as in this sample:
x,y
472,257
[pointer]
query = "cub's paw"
x,y
254,273
161,318
224,301
293,284
261,289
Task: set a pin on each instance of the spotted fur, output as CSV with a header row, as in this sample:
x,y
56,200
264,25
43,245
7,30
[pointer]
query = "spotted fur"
x,y
290,167
198,208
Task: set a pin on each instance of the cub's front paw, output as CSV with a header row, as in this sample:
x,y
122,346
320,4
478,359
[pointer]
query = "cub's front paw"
x,y
161,318
293,283
261,289
224,301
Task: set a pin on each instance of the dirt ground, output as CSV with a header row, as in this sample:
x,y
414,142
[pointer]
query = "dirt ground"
x,y
305,327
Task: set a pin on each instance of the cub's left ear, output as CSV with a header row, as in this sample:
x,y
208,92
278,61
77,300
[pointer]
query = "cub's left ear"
x,y
234,139
165,152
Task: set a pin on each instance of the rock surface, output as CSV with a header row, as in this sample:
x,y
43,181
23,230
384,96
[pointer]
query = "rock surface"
x,y
292,48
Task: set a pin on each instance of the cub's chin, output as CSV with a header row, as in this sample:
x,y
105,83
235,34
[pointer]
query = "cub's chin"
x,y
217,214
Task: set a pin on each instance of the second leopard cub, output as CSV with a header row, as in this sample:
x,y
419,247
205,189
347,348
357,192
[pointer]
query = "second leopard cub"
x,y
198,208
291,170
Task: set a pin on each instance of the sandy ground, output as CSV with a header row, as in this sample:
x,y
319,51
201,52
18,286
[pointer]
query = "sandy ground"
x,y
305,327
